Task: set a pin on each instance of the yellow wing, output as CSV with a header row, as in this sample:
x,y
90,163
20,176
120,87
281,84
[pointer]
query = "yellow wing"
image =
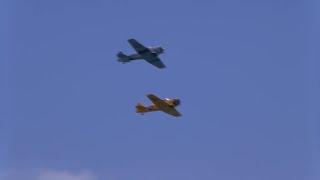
x,y
170,110
157,101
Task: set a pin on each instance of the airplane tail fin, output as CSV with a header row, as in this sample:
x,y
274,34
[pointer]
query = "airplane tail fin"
x,y
141,108
122,57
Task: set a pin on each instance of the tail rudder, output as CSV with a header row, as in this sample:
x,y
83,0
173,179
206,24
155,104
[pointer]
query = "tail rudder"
x,y
141,108
122,57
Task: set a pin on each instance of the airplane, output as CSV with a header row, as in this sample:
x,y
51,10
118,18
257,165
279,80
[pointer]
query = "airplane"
x,y
148,54
166,105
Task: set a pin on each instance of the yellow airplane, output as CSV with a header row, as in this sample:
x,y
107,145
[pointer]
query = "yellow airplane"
x,y
166,105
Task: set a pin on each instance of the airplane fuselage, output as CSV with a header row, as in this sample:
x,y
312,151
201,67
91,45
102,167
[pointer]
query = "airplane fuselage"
x,y
170,102
157,50
166,105
147,54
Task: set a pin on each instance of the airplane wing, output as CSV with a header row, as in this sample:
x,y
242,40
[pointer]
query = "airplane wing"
x,y
137,46
171,110
163,106
157,101
156,62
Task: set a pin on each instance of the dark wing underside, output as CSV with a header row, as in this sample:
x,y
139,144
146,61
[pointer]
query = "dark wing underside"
x,y
156,62
163,106
138,46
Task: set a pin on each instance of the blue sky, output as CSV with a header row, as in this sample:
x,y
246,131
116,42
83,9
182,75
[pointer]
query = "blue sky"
x,y
247,73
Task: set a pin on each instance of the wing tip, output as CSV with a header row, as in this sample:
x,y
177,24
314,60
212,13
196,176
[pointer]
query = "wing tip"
x,y
162,67
131,40
151,95
178,114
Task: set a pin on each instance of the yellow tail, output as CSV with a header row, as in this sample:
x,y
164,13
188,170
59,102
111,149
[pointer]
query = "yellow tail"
x,y
140,108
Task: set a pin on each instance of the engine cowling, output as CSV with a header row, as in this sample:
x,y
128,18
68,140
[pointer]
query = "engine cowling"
x,y
176,102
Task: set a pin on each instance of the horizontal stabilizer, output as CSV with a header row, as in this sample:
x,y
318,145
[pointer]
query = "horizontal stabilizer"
x,y
122,57
140,108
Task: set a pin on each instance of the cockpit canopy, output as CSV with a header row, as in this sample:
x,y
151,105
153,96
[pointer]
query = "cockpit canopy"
x,y
174,102
157,50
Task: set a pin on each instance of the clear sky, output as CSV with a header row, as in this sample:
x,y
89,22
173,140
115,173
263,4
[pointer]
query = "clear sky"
x,y
247,73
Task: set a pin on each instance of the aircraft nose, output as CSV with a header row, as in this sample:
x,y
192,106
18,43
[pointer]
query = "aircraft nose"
x,y
177,102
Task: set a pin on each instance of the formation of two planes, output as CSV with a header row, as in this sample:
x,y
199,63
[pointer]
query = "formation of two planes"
x,y
150,55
